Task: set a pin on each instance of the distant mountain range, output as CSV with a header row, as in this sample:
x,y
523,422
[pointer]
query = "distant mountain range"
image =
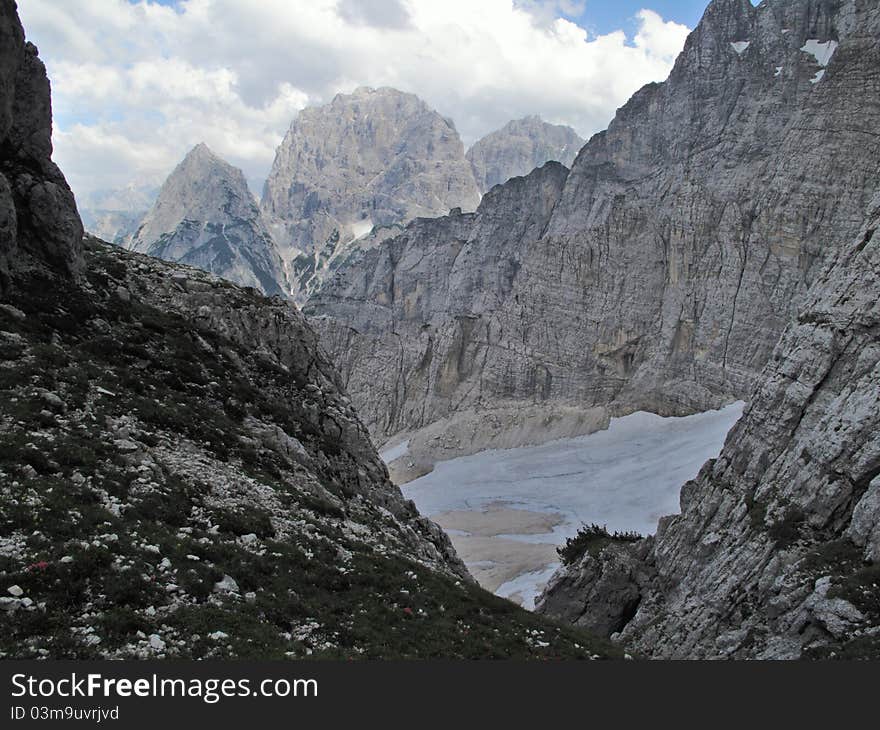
x,y
373,159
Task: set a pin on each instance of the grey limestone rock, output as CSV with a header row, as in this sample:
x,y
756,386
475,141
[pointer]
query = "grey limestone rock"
x,y
39,225
376,157
205,216
660,273
413,323
774,554
519,147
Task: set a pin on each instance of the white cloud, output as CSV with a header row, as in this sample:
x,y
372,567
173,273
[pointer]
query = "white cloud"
x,y
136,85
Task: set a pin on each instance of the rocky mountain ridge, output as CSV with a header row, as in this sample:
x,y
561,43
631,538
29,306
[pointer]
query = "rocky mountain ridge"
x,y
415,166
181,472
776,552
679,246
376,157
353,172
205,216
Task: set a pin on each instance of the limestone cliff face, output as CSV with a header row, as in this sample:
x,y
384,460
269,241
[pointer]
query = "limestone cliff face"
x,y
518,148
375,157
412,321
39,225
205,216
680,245
181,472
700,217
776,553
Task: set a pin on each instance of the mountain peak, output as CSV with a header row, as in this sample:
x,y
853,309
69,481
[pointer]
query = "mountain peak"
x,y
201,150
520,146
201,156
205,216
375,156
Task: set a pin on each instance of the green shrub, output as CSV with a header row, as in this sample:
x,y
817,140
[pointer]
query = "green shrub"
x,y
592,538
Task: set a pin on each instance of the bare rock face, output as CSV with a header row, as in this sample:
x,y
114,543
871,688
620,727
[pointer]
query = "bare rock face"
x,y
39,225
411,321
181,472
376,157
775,553
205,216
518,148
682,242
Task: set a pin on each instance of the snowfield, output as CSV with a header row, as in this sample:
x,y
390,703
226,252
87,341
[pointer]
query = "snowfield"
x,y
626,477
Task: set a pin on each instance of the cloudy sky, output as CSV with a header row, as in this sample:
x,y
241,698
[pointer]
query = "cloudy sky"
x,y
136,83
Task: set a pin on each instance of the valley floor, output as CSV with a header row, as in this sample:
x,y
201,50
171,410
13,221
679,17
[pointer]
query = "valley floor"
x,y
507,510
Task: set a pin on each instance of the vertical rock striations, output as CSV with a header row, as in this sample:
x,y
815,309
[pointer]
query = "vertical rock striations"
x,y
181,472
682,241
776,553
413,323
375,157
205,216
518,148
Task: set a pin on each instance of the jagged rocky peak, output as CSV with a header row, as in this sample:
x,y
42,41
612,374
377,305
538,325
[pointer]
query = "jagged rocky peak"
x,y
683,241
376,157
519,147
39,225
776,552
206,216
181,472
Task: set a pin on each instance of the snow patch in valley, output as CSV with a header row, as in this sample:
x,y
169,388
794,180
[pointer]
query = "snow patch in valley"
x,y
625,477
740,46
821,51
818,77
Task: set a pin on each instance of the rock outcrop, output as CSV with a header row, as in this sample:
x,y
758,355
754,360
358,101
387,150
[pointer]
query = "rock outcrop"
x,y
661,276
39,225
776,552
376,157
181,472
518,148
205,216
410,323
